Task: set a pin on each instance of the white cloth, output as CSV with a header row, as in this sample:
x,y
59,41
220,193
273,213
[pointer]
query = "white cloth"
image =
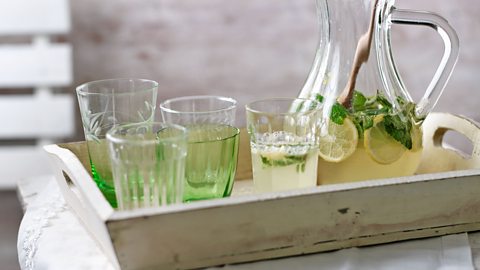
x,y
50,237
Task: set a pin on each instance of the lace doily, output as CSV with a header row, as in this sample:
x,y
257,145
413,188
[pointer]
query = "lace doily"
x,y
48,207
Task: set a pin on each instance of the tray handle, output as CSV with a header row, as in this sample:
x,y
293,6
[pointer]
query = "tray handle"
x,y
439,157
83,197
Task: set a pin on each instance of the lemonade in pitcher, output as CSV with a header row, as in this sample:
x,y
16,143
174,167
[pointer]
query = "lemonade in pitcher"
x,y
369,136
371,126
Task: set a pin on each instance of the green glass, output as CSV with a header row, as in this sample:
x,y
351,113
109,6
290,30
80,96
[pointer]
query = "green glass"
x,y
212,143
105,104
211,163
101,169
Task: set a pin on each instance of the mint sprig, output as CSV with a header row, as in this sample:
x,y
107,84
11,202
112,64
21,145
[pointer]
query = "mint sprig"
x,y
398,129
338,113
358,101
286,160
398,124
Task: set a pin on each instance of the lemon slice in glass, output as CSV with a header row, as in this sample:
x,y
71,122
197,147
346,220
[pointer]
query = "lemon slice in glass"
x,y
340,141
380,145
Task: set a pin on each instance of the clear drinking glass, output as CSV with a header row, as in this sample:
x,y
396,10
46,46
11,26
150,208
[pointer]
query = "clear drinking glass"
x,y
148,164
284,143
105,104
212,143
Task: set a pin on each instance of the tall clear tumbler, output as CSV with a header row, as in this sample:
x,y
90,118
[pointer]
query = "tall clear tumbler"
x,y
108,103
148,164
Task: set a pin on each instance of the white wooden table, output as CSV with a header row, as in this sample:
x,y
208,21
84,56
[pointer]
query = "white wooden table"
x,y
28,191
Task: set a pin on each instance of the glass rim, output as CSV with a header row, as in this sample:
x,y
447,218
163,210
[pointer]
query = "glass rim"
x,y
111,137
248,107
234,134
81,88
232,105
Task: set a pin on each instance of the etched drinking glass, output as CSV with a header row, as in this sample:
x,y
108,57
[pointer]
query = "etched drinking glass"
x,y
212,143
105,104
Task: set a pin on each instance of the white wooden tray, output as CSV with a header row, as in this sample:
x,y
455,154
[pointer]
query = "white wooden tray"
x,y
254,227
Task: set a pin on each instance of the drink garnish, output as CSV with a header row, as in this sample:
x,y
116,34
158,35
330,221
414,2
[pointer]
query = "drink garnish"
x,y
379,145
399,124
339,142
269,160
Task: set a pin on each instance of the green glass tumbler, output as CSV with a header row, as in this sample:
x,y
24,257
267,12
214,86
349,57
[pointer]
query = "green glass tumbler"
x,y
212,143
105,104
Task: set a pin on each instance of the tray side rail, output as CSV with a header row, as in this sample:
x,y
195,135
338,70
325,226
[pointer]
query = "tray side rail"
x,y
299,222
82,195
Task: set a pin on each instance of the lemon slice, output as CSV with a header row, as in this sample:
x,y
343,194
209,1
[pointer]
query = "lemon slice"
x,y
380,145
340,141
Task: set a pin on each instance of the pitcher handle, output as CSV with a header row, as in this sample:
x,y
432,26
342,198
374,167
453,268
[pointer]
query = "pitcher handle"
x,y
449,58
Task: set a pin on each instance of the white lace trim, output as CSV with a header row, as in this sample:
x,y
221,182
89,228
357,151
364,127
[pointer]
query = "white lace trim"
x,y
41,217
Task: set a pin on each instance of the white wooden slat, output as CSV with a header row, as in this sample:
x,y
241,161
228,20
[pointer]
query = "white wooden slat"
x,y
19,162
33,116
29,66
29,17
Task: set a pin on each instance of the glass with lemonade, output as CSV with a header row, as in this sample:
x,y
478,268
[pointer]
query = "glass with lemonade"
x,y
284,143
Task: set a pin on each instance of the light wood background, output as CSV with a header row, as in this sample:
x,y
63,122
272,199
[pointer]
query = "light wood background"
x,y
252,48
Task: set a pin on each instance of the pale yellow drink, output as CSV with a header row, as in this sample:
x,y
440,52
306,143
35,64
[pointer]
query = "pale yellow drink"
x,y
284,167
360,166
373,156
284,143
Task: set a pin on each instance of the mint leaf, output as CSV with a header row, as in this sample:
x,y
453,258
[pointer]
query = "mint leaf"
x,y
362,122
300,160
358,101
367,121
338,113
383,102
266,161
399,130
319,98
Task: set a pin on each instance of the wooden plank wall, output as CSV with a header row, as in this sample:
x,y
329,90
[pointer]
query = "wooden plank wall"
x,y
45,114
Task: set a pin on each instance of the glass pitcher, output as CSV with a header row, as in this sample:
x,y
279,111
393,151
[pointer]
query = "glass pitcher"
x,y
371,126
